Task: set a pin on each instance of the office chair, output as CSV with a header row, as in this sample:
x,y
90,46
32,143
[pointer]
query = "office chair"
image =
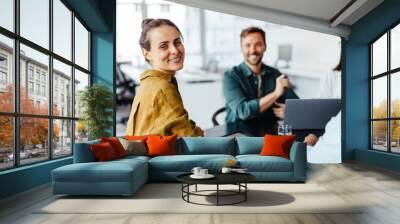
x,y
216,113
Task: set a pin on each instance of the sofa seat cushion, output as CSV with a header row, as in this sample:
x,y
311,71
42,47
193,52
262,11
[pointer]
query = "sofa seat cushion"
x,y
185,163
257,163
112,171
133,158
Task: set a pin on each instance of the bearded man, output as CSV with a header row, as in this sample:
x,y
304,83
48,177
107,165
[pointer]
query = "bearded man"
x,y
255,91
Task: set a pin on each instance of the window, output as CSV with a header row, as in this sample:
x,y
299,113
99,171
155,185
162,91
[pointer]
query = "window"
x,y
38,89
30,72
54,126
6,73
44,91
7,14
3,72
3,78
62,74
35,22
385,97
3,61
6,142
81,81
37,75
81,45
62,140
62,31
30,87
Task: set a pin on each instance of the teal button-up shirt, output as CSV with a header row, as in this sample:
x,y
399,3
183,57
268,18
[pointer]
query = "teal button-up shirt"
x,y
240,87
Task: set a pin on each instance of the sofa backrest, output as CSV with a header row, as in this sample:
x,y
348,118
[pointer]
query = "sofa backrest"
x,y
206,145
190,146
249,145
83,152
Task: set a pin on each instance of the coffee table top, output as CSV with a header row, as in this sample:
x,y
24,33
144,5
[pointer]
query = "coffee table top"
x,y
220,178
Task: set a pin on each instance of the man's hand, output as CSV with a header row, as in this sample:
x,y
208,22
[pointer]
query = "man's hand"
x,y
279,110
311,139
281,83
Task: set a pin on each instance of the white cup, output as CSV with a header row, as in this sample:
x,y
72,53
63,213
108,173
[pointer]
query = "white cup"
x,y
226,170
196,170
203,172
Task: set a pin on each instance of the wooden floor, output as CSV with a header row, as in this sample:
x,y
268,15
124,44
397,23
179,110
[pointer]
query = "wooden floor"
x,y
378,188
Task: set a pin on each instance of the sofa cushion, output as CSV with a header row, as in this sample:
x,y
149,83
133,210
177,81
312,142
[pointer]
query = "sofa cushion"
x,y
277,145
249,145
103,152
185,163
116,145
257,163
161,145
131,158
111,171
206,145
134,147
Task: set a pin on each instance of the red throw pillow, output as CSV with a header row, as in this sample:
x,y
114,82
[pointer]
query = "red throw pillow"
x,y
103,151
116,145
161,145
277,145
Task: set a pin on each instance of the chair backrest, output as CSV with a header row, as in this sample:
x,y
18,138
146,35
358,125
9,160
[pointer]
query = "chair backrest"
x,y
216,113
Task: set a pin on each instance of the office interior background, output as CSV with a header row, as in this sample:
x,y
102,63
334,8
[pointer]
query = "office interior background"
x,y
212,45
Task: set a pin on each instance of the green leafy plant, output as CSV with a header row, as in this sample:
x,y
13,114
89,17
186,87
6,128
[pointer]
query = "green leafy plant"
x,y
96,103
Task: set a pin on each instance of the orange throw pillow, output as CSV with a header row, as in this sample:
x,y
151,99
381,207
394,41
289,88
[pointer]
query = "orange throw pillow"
x,y
161,145
277,145
116,145
103,151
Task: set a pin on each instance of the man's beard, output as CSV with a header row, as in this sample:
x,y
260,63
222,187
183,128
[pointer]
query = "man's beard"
x,y
254,63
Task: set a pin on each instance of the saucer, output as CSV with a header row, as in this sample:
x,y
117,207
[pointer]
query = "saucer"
x,y
208,176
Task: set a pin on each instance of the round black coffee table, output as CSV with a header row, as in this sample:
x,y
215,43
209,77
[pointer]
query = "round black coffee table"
x,y
238,179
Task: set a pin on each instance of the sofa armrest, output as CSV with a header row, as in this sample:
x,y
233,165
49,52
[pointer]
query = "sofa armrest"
x,y
83,152
298,155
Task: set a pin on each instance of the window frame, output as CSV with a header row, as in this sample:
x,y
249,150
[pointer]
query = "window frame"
x,y
388,74
16,114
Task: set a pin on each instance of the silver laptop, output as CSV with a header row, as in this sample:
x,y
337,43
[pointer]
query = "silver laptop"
x,y
310,113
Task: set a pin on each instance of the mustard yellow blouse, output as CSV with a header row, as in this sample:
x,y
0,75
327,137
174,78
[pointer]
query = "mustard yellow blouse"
x,y
158,108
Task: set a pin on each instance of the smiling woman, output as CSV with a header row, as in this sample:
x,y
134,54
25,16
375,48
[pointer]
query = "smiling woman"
x,y
158,108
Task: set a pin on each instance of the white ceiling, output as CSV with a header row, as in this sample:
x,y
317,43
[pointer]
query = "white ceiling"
x,y
320,9
315,15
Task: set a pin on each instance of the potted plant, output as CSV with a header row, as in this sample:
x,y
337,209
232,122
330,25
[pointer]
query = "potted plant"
x,y
96,104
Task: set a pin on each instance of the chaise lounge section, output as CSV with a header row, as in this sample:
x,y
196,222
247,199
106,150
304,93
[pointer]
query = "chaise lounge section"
x,y
125,176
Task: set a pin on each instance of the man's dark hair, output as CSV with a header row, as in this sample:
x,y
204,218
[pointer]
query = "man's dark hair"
x,y
250,30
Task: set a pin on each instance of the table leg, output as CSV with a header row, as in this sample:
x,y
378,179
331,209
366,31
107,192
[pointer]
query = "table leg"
x,y
217,194
245,193
196,188
188,190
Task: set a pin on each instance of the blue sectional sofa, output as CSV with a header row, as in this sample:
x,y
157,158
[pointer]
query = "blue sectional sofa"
x,y
125,176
